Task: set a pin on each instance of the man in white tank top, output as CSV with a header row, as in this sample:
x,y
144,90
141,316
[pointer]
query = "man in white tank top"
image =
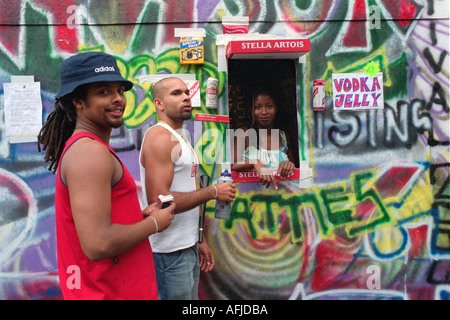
x,y
169,165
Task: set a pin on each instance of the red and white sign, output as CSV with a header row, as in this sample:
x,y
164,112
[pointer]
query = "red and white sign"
x,y
211,117
194,92
267,49
252,176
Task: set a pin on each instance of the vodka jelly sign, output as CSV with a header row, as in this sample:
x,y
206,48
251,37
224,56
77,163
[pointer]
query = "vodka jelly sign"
x,y
357,91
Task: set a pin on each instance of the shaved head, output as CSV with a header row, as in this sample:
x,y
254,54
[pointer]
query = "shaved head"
x,y
158,87
172,100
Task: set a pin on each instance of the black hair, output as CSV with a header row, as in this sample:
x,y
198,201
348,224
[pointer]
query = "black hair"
x,y
59,127
275,100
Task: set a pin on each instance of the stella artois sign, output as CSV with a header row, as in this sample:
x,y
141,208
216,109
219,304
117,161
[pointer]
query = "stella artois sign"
x,y
267,49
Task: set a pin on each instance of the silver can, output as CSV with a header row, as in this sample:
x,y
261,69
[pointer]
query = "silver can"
x,y
319,95
212,91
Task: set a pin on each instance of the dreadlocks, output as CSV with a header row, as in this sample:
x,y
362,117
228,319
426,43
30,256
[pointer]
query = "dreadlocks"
x,y
58,127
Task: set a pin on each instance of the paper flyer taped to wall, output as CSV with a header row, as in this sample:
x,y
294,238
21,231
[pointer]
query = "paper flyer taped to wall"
x,y
23,111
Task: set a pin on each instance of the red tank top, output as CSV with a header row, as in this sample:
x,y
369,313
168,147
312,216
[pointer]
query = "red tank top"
x,y
130,275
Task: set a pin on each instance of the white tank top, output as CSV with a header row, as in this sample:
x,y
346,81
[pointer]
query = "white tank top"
x,y
183,232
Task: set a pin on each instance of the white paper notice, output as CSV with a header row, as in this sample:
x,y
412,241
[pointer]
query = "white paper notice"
x,y
23,111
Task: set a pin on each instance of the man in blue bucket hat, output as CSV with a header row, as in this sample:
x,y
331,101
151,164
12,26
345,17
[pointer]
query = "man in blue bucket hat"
x,y
89,67
102,237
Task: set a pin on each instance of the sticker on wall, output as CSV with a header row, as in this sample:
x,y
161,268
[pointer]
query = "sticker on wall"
x,y
372,69
194,92
191,50
234,25
212,118
357,91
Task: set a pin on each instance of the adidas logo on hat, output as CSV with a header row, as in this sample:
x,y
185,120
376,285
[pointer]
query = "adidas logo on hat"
x,y
104,69
89,67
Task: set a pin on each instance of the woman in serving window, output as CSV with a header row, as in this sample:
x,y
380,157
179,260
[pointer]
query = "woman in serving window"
x,y
265,146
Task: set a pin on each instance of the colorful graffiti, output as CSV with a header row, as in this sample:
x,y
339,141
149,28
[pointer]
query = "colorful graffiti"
x,y
372,222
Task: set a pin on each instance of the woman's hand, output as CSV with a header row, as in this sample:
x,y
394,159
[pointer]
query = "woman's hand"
x,y
265,174
285,169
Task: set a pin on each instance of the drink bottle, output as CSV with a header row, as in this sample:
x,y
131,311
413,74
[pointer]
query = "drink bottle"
x,y
223,207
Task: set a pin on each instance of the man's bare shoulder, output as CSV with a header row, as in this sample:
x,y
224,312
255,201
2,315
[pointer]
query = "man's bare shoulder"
x,y
157,131
87,156
87,146
158,139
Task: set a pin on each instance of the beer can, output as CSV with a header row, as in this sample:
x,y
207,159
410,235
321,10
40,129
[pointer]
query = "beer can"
x,y
212,90
319,95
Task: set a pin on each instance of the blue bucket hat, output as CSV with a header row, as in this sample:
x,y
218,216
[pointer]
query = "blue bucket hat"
x,y
89,67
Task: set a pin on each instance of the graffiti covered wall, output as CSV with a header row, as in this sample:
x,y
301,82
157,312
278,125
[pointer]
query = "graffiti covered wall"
x,y
373,222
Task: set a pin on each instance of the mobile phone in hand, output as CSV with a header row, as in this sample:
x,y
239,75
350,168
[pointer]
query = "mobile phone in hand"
x,y
164,201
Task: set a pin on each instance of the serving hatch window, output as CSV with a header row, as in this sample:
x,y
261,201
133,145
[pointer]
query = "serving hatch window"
x,y
276,76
